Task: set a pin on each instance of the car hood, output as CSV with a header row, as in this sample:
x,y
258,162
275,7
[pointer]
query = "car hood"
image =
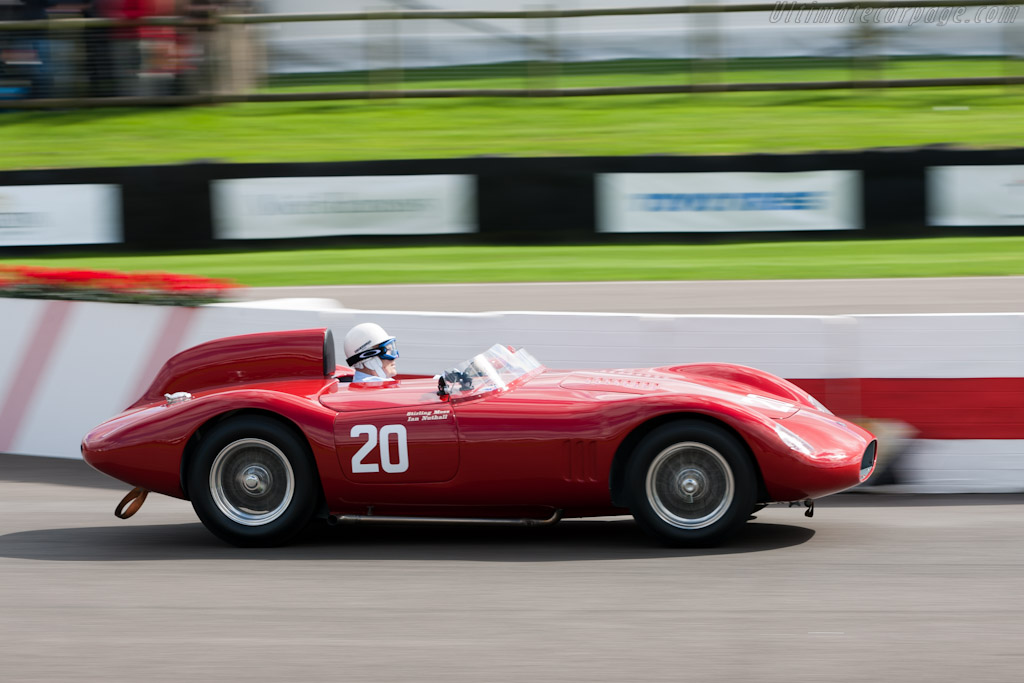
x,y
653,381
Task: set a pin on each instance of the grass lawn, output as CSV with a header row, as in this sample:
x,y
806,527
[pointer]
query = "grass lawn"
x,y
985,117
947,257
645,72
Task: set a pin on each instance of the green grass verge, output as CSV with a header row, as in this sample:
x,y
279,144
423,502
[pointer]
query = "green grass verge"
x,y
946,257
638,72
983,117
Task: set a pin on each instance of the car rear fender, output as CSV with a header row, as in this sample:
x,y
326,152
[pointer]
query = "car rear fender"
x,y
147,446
189,452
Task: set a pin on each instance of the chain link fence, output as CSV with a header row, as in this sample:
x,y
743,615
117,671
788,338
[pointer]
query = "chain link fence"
x,y
173,52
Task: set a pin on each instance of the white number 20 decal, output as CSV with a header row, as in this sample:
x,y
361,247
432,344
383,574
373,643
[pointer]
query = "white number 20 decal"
x,y
386,432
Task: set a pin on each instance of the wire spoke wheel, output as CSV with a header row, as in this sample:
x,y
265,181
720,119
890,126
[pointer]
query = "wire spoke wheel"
x,y
252,482
690,485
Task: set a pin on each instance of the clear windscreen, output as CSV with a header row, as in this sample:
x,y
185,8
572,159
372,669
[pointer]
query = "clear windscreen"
x,y
494,369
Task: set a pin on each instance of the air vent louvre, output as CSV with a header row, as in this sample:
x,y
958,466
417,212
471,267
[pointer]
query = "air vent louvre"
x,y
580,457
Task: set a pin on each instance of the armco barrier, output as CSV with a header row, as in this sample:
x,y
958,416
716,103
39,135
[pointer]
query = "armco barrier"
x,y
956,380
512,200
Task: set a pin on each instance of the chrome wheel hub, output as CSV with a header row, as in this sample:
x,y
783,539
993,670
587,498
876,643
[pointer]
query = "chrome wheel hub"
x,y
255,480
690,485
252,482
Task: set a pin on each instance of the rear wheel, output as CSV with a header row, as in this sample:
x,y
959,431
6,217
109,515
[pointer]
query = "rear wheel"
x,y
691,484
253,482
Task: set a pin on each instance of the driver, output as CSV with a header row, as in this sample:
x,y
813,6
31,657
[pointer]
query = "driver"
x,y
372,352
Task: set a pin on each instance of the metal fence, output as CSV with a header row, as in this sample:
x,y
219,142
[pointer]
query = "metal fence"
x,y
233,55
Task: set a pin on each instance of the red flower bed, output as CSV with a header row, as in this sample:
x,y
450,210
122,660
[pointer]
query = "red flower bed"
x,y
107,285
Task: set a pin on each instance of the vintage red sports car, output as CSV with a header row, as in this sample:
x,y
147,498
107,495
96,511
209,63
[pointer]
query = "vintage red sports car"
x,y
263,432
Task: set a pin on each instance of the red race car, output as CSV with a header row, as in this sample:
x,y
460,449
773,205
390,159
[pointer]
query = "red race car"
x,y
263,432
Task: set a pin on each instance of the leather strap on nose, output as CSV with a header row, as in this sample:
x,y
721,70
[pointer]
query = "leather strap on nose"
x,y
133,500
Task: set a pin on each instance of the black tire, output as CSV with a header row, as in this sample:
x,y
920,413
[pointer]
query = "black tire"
x,y
691,483
253,482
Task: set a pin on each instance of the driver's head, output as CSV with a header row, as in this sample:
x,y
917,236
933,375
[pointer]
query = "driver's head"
x,y
370,349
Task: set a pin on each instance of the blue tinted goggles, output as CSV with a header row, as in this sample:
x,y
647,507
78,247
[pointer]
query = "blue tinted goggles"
x,y
387,350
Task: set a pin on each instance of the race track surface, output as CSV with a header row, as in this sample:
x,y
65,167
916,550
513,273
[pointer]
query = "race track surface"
x,y
873,588
725,297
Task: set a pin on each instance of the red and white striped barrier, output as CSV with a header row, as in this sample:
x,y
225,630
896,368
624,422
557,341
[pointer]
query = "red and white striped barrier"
x,y
956,380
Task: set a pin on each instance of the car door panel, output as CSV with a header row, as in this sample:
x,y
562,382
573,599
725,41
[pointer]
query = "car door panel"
x,y
390,435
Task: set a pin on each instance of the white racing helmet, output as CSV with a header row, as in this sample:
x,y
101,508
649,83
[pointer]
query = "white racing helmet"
x,y
366,345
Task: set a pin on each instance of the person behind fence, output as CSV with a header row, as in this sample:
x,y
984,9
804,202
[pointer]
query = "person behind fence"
x,y
25,54
371,352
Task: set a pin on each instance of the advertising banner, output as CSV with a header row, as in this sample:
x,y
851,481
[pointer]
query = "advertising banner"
x,y
276,208
975,195
43,215
729,202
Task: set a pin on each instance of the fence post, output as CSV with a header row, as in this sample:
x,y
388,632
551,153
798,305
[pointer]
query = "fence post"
x,y
542,59
394,43
867,60
1013,49
707,59
383,54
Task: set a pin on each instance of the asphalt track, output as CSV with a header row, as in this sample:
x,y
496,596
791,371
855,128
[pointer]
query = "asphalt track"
x,y
724,297
873,588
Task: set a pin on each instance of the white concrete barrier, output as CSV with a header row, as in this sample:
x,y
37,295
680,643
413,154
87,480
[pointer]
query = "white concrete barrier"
x,y
957,380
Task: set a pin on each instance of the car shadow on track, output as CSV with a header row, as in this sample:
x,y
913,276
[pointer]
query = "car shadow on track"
x,y
575,540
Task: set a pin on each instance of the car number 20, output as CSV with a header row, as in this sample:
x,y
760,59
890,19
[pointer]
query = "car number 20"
x,y
401,464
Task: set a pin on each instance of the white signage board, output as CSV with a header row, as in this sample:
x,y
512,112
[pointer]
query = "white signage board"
x,y
275,208
41,215
729,202
975,195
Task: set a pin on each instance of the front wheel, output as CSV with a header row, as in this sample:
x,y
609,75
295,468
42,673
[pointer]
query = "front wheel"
x,y
252,482
691,483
